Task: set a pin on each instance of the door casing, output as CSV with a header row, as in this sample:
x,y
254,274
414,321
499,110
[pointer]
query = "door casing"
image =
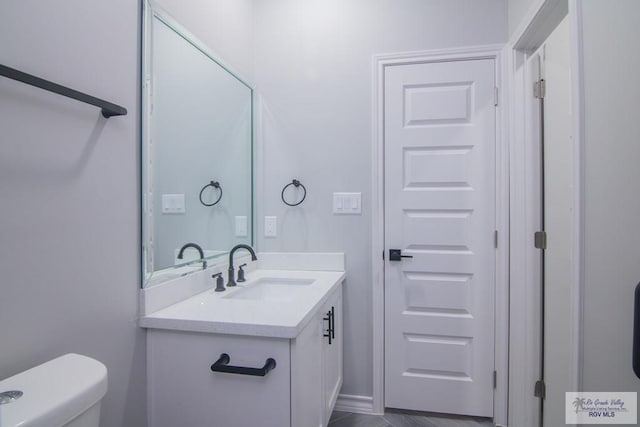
x,y
502,216
524,179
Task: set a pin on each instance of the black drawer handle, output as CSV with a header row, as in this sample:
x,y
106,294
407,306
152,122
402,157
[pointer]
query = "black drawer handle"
x,y
221,365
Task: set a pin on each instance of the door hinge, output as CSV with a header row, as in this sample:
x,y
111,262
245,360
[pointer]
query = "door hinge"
x,y
540,239
495,239
539,89
383,254
495,96
540,389
495,379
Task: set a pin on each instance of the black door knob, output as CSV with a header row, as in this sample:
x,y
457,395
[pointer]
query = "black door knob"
x,y
396,255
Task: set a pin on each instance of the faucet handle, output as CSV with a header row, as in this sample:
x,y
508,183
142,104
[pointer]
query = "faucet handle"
x,y
219,282
241,273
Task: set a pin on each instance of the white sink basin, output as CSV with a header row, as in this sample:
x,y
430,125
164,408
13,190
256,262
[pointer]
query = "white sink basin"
x,y
271,303
272,289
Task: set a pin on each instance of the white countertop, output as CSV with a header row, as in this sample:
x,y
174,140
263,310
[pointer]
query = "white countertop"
x,y
219,312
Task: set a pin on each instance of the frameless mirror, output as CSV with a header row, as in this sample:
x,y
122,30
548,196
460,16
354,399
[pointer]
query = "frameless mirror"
x,y
196,152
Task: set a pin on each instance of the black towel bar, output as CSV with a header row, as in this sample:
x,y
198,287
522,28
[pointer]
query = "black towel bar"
x,y
108,109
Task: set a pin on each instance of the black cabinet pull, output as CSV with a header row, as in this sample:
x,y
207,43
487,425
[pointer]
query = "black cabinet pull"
x,y
636,332
331,330
333,323
221,365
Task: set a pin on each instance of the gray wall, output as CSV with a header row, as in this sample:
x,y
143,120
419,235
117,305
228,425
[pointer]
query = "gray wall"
x,y
69,184
517,11
612,202
69,225
313,69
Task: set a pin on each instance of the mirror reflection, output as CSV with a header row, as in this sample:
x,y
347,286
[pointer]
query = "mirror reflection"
x,y
197,153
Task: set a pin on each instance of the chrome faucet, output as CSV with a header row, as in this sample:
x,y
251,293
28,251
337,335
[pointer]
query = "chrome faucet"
x,y
232,271
194,246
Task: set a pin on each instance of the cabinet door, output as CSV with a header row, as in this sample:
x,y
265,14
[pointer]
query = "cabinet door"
x,y
183,391
332,353
307,409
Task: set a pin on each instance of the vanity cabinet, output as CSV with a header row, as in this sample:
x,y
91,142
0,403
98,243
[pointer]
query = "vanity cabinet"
x,y
299,392
332,353
182,390
316,365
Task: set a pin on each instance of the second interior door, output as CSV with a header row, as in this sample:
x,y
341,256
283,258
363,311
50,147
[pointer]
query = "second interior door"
x,y
440,210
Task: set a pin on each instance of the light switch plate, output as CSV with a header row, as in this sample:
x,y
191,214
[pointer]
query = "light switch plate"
x,y
270,226
347,203
173,204
241,226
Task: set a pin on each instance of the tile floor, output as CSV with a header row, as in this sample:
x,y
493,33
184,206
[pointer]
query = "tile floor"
x,y
404,419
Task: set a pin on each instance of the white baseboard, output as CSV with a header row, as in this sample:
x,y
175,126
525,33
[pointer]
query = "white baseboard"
x,y
354,403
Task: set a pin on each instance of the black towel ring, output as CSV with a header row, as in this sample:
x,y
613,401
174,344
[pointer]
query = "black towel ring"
x,y
296,184
214,184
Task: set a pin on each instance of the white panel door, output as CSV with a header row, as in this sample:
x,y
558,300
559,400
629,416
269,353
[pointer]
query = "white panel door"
x,y
440,210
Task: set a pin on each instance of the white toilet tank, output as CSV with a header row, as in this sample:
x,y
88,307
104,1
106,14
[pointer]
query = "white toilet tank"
x,y
66,391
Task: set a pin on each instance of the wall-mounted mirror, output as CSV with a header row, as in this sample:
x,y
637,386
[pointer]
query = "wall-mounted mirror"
x,y
197,145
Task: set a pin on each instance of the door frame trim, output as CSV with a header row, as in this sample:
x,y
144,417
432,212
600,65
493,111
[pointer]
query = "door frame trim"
x,y
502,214
539,22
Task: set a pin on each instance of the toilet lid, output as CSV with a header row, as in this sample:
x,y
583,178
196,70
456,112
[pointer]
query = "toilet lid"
x,y
53,393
